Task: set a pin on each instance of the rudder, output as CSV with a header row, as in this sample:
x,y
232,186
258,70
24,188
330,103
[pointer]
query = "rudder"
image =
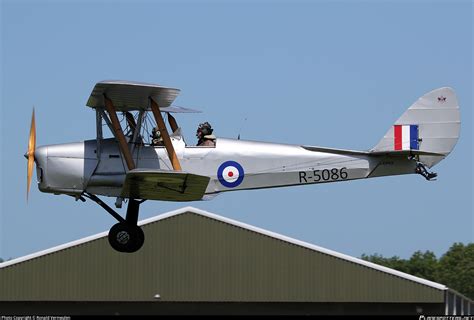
x,y
432,124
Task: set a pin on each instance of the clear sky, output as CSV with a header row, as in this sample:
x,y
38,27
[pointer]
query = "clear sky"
x,y
335,74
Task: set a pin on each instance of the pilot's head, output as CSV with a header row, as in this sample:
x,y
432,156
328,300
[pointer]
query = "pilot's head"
x,y
204,129
155,133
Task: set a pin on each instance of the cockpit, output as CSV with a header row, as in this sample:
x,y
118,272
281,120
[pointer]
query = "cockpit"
x,y
141,129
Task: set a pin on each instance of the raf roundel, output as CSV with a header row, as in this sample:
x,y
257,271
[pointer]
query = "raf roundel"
x,y
230,174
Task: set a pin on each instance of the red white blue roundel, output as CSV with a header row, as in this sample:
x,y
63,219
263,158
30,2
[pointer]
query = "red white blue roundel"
x,y
230,174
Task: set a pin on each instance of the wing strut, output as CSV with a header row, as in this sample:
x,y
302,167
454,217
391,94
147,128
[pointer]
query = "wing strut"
x,y
164,134
131,122
119,133
172,122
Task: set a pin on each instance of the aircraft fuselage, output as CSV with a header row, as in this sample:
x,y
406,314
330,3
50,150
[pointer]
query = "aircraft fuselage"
x,y
99,168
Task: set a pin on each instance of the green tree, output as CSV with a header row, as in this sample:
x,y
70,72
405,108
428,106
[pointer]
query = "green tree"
x,y
456,269
393,262
423,265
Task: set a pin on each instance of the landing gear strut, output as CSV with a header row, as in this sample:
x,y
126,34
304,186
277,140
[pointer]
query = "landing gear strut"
x,y
125,236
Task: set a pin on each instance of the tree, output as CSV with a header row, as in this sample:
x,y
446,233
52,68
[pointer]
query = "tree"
x,y
393,262
455,268
423,265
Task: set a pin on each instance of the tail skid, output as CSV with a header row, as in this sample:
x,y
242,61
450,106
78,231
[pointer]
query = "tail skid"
x,y
421,169
413,155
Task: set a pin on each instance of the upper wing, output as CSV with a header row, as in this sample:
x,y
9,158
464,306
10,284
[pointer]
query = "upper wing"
x,y
130,95
176,109
164,185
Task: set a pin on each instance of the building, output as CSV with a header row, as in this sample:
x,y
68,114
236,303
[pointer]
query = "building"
x,y
195,262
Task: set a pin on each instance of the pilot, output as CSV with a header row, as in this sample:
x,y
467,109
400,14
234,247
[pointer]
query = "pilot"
x,y
157,140
205,136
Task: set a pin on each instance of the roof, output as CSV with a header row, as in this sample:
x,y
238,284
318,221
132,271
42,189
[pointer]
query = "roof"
x,y
243,226
131,95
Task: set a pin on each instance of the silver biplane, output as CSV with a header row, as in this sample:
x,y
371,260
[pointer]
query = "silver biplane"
x,y
129,166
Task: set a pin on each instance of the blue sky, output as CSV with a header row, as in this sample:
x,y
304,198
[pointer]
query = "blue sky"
x,y
335,74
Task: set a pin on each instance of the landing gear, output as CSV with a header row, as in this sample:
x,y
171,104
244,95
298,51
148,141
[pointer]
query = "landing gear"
x,y
124,236
421,169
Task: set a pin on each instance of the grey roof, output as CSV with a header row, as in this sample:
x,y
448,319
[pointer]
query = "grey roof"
x,y
240,225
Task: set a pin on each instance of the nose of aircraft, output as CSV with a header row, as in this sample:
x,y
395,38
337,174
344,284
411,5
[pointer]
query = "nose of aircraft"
x,y
41,153
39,156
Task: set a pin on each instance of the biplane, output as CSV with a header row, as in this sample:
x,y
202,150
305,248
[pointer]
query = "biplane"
x,y
130,168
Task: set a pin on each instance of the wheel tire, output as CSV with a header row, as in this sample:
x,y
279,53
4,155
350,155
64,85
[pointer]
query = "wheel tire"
x,y
138,239
126,238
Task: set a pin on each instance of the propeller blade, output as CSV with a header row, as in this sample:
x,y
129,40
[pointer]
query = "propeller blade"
x,y
31,153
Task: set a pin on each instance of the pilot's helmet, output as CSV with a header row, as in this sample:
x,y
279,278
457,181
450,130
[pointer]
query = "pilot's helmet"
x,y
156,133
205,129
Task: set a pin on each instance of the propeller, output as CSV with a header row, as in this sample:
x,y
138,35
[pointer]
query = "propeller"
x,y
31,152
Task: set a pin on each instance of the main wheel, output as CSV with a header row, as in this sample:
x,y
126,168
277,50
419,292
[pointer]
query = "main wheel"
x,y
124,237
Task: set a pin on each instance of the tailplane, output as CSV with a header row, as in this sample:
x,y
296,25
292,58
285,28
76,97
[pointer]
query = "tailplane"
x,y
428,130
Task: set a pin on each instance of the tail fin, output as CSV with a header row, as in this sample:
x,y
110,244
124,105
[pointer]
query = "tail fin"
x,y
430,125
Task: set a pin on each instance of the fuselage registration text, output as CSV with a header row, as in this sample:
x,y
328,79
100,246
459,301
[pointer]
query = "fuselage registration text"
x,y
323,175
